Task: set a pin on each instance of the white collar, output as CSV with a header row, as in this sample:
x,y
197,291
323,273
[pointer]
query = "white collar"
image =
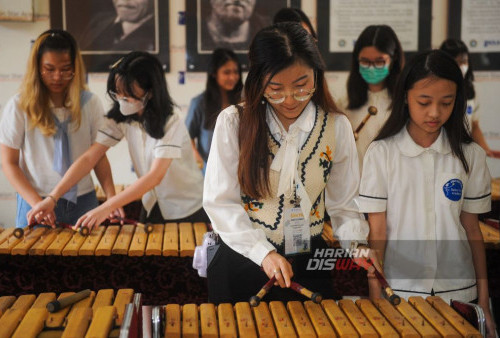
x,y
304,122
408,147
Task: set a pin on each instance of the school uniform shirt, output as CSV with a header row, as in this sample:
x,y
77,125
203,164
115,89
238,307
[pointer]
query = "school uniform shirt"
x,y
380,100
423,191
179,193
472,113
37,151
223,196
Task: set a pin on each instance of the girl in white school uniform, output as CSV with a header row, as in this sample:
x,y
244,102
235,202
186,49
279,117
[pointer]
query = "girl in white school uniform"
x,y
170,183
377,60
278,163
424,182
47,126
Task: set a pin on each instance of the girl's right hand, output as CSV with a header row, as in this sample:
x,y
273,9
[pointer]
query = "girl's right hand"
x,y
275,265
43,212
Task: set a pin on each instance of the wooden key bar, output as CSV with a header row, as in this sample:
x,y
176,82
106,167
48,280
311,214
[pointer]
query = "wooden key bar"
x,y
433,317
74,245
208,321
398,321
227,322
27,241
138,244
376,318
319,320
282,320
123,240
190,328
300,319
171,240
186,237
358,320
457,321
107,241
416,319
263,320
244,320
57,246
172,320
13,316
155,241
338,319
91,241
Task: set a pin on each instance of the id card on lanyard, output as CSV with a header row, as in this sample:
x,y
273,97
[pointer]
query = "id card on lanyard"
x,y
297,231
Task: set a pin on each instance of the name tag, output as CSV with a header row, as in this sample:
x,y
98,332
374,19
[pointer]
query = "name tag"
x,y
297,232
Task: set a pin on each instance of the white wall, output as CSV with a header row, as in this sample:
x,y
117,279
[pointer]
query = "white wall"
x,y
15,40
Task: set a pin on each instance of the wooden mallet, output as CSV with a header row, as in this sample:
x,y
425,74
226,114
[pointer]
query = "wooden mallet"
x,y
371,112
56,305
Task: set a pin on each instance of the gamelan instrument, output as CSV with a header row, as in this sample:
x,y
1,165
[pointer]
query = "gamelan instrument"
x,y
372,111
346,318
97,315
170,239
157,264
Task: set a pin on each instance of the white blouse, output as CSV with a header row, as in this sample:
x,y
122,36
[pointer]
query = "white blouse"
x,y
180,191
423,191
222,192
37,150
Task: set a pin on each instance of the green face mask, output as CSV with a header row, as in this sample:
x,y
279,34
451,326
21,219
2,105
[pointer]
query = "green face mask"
x,y
374,75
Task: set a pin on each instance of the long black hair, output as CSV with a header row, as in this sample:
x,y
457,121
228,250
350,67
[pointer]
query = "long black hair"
x,y
455,47
212,97
385,40
436,64
146,71
272,50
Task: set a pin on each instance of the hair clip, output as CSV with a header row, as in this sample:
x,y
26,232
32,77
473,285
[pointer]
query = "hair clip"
x,y
114,65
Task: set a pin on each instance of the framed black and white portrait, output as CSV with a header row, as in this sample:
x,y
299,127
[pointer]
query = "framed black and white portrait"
x,y
106,30
232,24
341,21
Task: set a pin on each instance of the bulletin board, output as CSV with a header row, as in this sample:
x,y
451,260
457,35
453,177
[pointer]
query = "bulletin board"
x,y
477,24
341,21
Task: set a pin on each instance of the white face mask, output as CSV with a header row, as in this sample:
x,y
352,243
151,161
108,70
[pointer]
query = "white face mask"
x,y
464,69
130,108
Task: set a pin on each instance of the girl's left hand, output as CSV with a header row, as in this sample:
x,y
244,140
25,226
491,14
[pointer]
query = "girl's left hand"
x,y
364,254
92,218
490,323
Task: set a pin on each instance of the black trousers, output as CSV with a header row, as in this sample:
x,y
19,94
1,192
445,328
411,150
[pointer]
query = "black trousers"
x,y
234,278
155,216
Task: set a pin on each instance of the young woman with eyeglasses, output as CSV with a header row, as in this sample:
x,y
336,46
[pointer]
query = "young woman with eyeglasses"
x,y
143,113
47,126
377,60
278,162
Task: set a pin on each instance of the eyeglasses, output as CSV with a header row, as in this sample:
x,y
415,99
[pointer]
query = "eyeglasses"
x,y
277,97
377,64
65,74
117,97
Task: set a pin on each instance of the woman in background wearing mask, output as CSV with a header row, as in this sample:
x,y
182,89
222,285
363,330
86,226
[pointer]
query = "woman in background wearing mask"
x,y
377,60
458,50
170,183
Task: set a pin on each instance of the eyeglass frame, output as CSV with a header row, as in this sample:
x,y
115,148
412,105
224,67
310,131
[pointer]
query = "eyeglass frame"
x,y
368,63
51,73
310,93
114,97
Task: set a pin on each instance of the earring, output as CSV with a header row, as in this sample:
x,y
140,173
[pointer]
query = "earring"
x,y
262,102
